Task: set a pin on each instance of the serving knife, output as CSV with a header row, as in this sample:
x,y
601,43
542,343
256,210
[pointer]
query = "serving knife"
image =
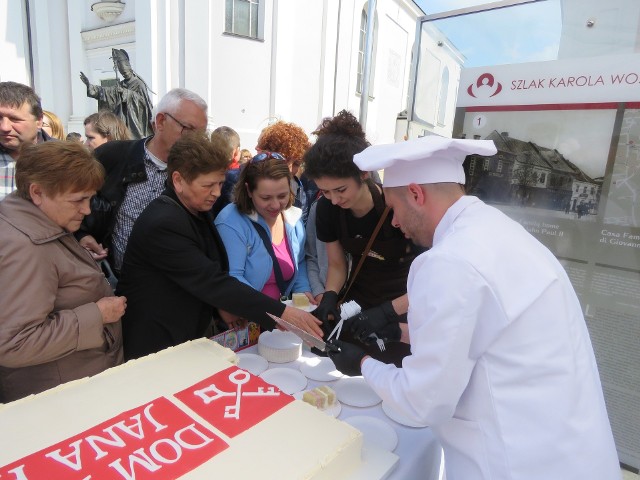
x,y
306,337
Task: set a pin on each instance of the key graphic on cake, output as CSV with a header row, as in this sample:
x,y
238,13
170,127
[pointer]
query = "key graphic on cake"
x,y
239,378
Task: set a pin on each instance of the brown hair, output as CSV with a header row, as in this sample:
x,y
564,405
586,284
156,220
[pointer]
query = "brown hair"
x,y
58,167
288,139
109,125
13,94
251,174
230,135
57,130
197,153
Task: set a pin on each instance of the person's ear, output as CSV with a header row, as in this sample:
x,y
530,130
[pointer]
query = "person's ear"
x,y
36,194
416,194
159,121
177,181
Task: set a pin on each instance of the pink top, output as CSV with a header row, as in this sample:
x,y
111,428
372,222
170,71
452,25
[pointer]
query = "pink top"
x,y
286,266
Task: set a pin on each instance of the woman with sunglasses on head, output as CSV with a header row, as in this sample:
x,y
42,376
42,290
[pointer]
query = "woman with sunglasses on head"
x,y
291,141
351,208
175,273
263,232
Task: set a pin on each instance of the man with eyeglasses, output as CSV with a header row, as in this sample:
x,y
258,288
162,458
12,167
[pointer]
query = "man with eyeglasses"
x,y
136,175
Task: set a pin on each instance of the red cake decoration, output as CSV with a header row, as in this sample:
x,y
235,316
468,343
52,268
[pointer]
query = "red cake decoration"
x,y
152,442
233,400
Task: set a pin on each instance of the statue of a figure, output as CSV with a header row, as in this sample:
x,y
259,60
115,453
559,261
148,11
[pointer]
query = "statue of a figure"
x,y
129,99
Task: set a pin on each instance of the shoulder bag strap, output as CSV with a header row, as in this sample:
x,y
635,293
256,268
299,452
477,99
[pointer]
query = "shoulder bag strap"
x,y
277,272
365,253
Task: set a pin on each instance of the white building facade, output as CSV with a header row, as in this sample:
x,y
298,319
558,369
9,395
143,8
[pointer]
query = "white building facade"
x,y
253,61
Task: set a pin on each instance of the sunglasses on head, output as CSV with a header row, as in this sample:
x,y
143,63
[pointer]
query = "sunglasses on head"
x,y
261,157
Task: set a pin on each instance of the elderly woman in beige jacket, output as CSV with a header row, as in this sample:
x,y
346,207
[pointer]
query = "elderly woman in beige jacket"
x,y
59,320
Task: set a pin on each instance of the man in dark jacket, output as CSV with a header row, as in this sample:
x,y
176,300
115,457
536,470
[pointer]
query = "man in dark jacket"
x,y
136,175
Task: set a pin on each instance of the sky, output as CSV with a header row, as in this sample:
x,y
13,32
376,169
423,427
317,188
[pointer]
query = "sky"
x,y
525,33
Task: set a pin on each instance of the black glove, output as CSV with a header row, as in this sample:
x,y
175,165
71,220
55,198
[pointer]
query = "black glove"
x,y
328,306
348,358
372,320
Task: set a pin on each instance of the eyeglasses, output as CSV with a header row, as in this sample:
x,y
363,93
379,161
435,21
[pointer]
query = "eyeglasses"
x,y
184,127
261,157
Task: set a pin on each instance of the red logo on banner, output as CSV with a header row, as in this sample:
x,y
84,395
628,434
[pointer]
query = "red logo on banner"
x,y
233,400
486,87
154,441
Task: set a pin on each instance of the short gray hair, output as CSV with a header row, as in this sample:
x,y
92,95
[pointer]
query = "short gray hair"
x,y
171,101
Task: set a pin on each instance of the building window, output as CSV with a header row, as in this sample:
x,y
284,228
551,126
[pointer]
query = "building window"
x,y
486,164
361,47
242,18
472,167
543,177
499,168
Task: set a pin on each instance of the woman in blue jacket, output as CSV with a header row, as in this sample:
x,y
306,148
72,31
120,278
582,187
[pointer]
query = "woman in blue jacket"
x,y
263,232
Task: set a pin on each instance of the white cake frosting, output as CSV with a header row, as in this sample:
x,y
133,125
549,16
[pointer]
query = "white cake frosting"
x,y
296,441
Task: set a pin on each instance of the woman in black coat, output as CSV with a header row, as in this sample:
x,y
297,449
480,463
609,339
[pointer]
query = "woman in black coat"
x,y
175,269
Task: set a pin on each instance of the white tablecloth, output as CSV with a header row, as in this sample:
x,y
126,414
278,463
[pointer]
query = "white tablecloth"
x,y
419,451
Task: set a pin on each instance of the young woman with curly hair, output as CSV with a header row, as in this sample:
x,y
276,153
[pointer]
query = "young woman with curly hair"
x,y
346,216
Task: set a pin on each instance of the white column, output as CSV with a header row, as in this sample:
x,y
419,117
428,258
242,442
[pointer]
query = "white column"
x,y
77,64
199,66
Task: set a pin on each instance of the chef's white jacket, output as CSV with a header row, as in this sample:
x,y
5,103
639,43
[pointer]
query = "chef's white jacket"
x,y
502,367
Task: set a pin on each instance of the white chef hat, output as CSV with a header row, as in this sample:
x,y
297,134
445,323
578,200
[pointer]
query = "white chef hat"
x,y
430,159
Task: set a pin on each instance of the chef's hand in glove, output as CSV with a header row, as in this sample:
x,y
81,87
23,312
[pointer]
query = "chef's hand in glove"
x,y
328,312
372,320
388,333
348,357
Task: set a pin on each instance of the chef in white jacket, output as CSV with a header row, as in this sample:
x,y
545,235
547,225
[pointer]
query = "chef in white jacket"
x,y
502,368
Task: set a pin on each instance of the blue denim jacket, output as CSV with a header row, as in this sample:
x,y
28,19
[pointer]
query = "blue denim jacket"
x,y
249,260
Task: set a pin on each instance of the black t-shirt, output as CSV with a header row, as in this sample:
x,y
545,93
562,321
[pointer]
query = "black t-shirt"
x,y
383,275
328,222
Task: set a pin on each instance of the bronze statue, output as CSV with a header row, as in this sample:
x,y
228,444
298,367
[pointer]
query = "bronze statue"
x,y
129,99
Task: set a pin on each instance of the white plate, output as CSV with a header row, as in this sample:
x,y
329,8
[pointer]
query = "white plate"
x,y
252,363
376,432
286,379
399,417
356,392
321,369
310,308
334,410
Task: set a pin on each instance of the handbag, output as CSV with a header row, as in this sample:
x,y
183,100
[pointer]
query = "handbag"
x,y
108,274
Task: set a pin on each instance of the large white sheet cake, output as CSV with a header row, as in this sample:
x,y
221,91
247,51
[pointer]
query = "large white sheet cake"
x,y
186,412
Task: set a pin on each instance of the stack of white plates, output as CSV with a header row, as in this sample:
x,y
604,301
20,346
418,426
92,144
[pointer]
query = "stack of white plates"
x,y
279,347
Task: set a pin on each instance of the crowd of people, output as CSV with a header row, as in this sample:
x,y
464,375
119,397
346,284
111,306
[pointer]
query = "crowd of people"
x,y
200,236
